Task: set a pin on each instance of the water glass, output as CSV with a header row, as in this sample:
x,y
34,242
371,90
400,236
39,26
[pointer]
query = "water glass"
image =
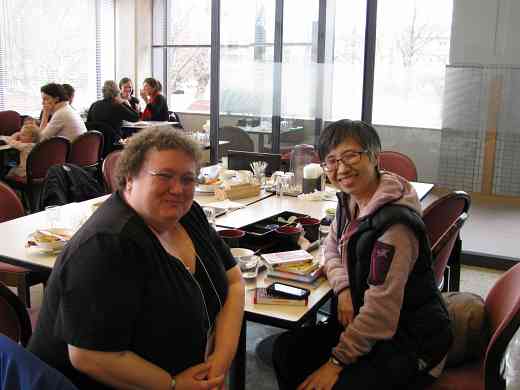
x,y
52,214
249,269
210,215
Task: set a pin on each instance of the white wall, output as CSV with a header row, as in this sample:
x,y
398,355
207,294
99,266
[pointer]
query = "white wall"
x,y
133,40
485,32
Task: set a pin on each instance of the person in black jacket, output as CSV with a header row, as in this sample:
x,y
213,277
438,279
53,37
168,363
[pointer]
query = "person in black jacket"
x,y
112,110
146,295
156,105
391,329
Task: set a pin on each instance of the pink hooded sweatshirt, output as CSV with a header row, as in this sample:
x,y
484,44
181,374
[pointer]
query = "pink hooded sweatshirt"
x,y
379,316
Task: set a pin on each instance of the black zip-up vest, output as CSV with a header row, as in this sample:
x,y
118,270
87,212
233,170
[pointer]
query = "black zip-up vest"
x,y
424,324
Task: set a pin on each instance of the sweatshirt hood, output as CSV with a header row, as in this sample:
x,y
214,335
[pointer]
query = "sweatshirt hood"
x,y
392,189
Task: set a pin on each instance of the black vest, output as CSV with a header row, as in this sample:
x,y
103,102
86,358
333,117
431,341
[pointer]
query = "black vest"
x,y
424,324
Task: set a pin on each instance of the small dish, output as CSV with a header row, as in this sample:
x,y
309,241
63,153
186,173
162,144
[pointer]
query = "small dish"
x,y
49,240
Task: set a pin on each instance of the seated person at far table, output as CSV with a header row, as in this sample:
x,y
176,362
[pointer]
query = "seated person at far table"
x,y
65,121
156,106
146,295
127,93
26,138
112,110
391,329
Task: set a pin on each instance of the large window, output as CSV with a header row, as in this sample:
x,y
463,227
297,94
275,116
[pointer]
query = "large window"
x,y
412,50
54,41
347,68
181,52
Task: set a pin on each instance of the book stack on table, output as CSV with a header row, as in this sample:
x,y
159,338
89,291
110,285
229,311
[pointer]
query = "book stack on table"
x,y
294,266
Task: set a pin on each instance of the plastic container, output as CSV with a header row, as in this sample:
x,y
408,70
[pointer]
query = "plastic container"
x,y
301,156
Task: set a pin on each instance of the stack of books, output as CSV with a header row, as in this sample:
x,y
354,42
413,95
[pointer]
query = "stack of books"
x,y
295,266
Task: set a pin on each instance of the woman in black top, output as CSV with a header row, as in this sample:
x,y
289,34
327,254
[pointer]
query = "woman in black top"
x,y
156,106
145,295
127,93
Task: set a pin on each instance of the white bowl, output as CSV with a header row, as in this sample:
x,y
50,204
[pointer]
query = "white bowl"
x,y
241,253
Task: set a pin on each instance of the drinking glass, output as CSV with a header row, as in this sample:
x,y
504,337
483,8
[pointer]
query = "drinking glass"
x,y
210,215
52,214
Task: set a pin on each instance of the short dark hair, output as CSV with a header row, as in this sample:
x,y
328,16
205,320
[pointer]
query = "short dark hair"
x,y
154,137
69,90
123,81
56,91
155,84
338,132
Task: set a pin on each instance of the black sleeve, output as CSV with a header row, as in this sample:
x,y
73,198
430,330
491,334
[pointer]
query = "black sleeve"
x,y
218,243
223,250
89,114
100,295
126,113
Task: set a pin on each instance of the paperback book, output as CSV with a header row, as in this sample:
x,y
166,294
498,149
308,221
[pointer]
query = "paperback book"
x,y
310,278
263,297
299,256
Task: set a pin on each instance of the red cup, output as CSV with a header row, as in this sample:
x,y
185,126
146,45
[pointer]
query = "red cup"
x,y
232,237
291,233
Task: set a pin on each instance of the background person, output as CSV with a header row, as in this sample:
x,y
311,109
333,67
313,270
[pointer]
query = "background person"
x,y
142,289
65,121
112,110
392,330
127,93
24,142
156,106
70,91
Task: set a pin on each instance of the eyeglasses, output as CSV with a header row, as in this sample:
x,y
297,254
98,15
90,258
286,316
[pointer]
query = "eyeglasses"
x,y
167,178
348,158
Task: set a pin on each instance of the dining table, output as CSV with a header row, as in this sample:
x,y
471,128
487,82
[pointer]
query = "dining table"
x,y
14,235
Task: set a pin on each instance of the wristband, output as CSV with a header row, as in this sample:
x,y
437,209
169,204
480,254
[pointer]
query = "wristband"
x,y
336,362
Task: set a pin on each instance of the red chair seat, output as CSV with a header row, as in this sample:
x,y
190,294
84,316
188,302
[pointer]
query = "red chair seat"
x,y
4,267
467,376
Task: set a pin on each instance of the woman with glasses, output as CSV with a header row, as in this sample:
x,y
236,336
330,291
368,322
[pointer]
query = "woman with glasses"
x,y
145,295
390,329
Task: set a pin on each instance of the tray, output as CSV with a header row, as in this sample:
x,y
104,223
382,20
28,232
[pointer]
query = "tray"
x,y
270,224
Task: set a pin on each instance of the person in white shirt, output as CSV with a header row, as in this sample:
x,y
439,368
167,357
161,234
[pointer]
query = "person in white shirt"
x,y
65,121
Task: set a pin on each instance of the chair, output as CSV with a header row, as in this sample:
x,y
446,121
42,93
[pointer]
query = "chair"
x,y
398,163
240,160
86,150
11,207
110,137
10,122
444,219
109,170
44,155
503,315
21,369
15,322
238,140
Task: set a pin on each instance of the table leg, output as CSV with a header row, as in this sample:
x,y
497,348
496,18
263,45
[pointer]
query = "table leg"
x,y
237,374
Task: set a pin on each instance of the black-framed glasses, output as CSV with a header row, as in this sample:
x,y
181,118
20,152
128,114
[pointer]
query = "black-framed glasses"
x,y
350,157
188,180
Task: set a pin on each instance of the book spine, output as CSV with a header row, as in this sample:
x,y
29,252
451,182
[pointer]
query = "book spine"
x,y
279,301
290,276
